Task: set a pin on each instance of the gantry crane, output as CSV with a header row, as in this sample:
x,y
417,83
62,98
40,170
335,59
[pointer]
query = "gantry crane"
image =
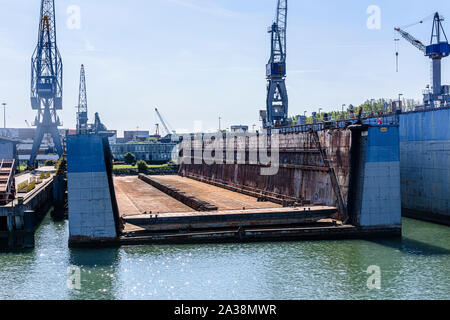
x,y
46,81
82,114
277,97
438,49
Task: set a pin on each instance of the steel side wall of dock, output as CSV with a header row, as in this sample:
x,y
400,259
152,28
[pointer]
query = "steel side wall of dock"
x,y
425,163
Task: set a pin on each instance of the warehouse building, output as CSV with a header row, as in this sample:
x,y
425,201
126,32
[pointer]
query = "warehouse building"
x,y
148,151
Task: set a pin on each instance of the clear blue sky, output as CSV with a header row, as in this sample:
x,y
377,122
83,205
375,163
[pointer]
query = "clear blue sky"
x,y
198,59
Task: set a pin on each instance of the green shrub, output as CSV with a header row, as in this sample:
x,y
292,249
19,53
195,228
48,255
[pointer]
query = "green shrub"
x,y
50,163
61,166
129,158
142,166
31,186
169,170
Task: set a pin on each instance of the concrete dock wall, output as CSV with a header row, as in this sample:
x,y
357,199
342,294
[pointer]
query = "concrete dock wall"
x,y
425,164
92,213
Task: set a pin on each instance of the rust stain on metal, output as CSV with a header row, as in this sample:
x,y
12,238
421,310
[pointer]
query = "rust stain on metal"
x,y
186,198
303,174
231,219
218,195
135,197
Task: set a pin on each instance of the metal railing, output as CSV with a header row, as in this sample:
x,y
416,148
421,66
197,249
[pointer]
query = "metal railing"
x,y
389,119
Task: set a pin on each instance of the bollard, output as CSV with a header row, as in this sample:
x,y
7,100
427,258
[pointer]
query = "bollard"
x,y
29,227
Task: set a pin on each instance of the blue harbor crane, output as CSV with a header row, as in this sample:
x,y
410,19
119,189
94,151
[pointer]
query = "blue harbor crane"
x,y
82,114
438,49
46,81
277,97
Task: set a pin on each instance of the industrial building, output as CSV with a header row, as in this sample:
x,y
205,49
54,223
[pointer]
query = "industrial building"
x,y
148,151
138,135
8,148
239,129
25,138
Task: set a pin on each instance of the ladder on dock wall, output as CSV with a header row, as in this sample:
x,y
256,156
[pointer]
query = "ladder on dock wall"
x,y
334,181
7,182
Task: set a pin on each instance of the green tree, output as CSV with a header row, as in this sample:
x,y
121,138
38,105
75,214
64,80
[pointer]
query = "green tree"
x,y
130,158
50,163
142,166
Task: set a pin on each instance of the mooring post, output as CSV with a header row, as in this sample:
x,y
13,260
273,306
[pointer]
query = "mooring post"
x,y
29,227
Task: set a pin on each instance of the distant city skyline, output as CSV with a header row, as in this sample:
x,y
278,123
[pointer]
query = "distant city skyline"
x,y
198,60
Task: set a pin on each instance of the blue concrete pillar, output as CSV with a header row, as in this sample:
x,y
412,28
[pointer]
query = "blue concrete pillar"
x,y
92,207
381,200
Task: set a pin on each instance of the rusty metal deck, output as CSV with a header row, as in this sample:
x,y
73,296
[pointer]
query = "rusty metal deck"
x,y
224,199
143,208
177,222
135,197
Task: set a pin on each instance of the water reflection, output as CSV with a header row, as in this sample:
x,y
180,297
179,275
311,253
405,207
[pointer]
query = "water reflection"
x,y
415,267
18,266
98,269
413,247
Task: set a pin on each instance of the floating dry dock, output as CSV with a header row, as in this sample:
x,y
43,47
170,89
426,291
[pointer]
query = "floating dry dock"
x,y
330,183
236,216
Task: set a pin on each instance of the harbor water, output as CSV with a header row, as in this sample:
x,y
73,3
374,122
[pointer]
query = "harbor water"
x,y
415,267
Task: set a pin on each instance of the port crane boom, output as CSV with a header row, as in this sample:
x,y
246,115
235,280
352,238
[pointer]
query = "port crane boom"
x,y
277,97
163,122
417,43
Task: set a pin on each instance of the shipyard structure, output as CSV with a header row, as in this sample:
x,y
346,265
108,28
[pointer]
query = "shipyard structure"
x,y
424,142
329,183
332,179
335,179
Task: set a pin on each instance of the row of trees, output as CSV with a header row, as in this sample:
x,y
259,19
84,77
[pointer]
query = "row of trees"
x,y
369,108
